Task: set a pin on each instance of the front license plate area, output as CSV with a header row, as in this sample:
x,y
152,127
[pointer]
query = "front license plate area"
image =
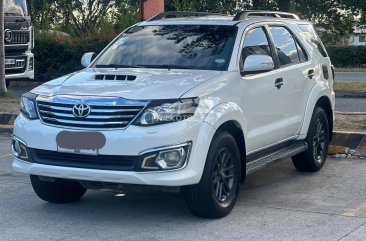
x,y
9,61
88,143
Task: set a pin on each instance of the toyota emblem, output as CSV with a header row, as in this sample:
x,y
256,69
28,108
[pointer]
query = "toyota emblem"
x,y
81,110
8,35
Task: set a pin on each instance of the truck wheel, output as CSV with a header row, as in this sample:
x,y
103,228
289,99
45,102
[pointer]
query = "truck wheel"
x,y
7,82
58,191
216,193
313,159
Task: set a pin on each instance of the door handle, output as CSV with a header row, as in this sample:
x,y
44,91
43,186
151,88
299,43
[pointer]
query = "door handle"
x,y
279,83
311,73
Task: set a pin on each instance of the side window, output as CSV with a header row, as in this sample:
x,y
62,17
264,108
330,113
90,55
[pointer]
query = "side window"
x,y
302,54
256,43
314,38
286,46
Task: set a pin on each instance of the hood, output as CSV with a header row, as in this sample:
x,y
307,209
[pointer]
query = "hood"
x,y
129,84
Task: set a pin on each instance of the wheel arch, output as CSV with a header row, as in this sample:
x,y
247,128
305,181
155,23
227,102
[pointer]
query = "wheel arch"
x,y
325,104
322,96
234,129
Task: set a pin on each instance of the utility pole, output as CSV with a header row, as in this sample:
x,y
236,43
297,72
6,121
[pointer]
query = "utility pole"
x,y
3,88
287,6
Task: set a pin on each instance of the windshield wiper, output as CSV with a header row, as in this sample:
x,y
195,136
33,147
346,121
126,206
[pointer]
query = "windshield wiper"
x,y
166,66
117,66
161,66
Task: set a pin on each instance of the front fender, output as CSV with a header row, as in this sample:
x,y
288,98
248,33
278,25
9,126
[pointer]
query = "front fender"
x,y
225,112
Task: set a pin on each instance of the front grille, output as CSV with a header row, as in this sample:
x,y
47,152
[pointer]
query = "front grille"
x,y
102,162
18,37
103,114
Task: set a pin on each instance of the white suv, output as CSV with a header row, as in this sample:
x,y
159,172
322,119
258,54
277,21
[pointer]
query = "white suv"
x,y
185,101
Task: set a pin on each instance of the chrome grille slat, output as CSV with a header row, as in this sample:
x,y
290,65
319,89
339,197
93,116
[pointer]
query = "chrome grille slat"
x,y
89,116
55,107
81,121
106,113
19,37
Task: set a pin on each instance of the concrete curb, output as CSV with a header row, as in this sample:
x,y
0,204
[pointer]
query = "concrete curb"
x,y
350,94
7,118
348,144
6,128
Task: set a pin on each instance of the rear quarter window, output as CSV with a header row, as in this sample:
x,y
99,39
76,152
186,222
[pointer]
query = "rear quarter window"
x,y
312,37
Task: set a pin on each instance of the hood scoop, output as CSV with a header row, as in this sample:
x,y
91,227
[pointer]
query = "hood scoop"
x,y
115,77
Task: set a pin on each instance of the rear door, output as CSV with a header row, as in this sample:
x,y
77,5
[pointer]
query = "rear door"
x,y
299,74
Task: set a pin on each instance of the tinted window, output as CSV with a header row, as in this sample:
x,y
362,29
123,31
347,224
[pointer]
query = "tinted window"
x,y
172,46
314,38
285,46
256,43
301,52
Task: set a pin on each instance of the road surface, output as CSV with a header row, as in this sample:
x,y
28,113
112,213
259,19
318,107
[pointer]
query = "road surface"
x,y
277,203
350,76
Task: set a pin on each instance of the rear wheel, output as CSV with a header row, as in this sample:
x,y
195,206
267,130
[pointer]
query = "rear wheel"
x,y
313,159
216,193
57,190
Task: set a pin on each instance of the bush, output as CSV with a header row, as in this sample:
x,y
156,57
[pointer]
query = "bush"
x,y
347,56
56,56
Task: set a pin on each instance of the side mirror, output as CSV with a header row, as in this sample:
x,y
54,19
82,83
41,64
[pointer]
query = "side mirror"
x,y
258,63
87,59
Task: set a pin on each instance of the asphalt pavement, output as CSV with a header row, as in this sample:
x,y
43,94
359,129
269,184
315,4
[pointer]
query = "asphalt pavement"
x,y
350,76
351,104
278,203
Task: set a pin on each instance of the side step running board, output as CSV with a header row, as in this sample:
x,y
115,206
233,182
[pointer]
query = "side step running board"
x,y
261,161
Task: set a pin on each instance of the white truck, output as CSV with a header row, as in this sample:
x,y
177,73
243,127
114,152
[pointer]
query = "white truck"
x,y
184,101
19,41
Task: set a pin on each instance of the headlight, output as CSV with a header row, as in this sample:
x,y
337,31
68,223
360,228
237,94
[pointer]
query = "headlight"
x,y
166,111
28,106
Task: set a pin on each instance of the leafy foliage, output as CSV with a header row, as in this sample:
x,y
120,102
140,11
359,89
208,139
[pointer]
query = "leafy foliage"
x,y
347,56
56,56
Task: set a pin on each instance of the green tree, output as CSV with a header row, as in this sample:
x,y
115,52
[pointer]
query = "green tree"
x,y
334,20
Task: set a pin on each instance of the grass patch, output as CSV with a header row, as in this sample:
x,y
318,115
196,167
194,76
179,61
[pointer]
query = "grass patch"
x,y
8,95
350,86
350,69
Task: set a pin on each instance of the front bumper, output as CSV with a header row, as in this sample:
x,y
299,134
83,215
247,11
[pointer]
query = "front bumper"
x,y
15,72
128,142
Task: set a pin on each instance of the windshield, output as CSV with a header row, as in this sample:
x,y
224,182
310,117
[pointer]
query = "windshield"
x,y
172,47
15,7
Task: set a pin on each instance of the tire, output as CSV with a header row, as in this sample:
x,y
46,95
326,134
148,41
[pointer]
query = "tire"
x,y
58,191
216,193
313,159
7,82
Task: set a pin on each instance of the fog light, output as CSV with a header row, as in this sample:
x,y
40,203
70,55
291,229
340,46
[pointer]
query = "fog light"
x,y
171,159
167,159
19,149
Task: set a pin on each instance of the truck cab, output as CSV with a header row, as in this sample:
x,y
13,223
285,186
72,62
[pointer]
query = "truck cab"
x,y
18,41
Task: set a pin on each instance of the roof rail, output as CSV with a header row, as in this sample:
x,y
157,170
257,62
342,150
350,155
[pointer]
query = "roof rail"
x,y
257,13
175,14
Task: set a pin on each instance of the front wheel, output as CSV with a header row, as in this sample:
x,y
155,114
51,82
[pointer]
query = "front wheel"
x,y
313,159
216,193
58,190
